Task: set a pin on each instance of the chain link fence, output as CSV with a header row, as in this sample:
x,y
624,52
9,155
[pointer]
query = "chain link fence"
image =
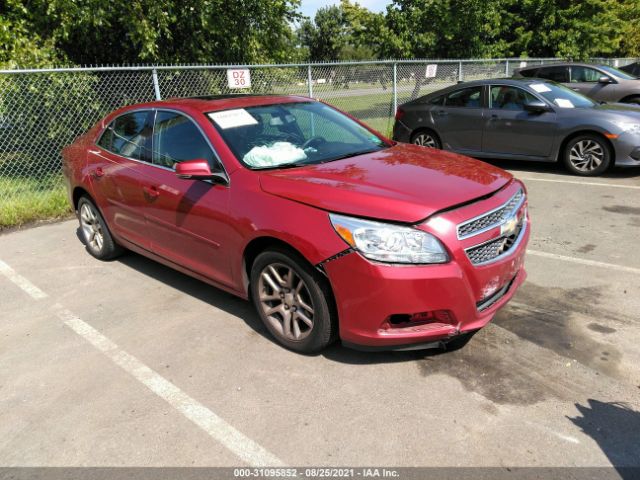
x,y
41,111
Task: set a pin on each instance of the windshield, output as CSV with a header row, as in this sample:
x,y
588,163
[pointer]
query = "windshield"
x,y
292,134
562,96
617,73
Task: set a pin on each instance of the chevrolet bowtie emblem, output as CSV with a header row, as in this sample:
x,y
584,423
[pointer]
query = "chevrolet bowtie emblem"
x,y
510,226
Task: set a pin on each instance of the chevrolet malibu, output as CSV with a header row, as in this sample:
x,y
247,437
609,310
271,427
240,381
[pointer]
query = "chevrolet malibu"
x,y
332,230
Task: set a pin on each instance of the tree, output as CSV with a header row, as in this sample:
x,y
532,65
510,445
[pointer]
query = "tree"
x,y
171,31
325,36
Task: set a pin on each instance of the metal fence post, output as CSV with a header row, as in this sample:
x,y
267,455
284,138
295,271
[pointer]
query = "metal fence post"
x,y
506,68
156,85
395,87
460,74
310,81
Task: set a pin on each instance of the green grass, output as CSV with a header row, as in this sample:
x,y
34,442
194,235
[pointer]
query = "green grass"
x,y
373,109
24,200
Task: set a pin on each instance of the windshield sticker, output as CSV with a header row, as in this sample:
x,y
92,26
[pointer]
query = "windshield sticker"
x,y
233,118
564,103
540,87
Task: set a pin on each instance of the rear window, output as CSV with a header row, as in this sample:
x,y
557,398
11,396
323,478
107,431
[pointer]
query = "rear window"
x,y
528,73
129,135
557,74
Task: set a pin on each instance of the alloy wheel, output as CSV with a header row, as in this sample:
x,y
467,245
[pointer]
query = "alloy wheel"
x,y
586,155
91,227
285,301
425,140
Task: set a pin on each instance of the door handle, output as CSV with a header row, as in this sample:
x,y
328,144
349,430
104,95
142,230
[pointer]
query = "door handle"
x,y
494,116
441,113
151,191
575,89
97,173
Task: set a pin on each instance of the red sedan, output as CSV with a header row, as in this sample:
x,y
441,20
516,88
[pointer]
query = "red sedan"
x,y
331,229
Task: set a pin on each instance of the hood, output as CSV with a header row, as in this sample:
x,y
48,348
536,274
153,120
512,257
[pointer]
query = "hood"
x,y
404,183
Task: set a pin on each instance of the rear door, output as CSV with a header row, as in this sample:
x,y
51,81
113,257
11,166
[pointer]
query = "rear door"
x,y
510,129
118,162
188,219
458,120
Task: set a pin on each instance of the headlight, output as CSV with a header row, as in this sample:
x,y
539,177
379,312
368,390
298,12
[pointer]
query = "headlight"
x,y
628,127
390,243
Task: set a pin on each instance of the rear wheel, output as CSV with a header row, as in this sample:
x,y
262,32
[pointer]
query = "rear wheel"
x,y
293,300
587,155
426,138
95,233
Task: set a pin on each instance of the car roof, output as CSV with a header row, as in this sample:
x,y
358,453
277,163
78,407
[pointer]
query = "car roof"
x,y
213,103
491,81
564,64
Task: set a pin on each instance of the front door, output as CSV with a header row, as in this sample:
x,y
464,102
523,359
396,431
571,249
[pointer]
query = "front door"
x,y
188,219
510,129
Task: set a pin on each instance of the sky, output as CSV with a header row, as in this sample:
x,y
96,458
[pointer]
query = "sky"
x,y
309,7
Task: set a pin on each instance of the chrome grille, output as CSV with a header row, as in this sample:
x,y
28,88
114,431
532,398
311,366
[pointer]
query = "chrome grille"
x,y
489,251
490,219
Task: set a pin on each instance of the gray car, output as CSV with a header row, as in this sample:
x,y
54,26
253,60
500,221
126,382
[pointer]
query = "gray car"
x,y
528,119
600,82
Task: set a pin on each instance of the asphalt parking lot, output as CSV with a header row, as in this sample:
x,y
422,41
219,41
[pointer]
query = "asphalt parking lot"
x,y
128,363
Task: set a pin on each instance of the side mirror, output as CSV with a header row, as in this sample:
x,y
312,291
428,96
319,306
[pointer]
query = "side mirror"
x,y
199,169
537,106
604,79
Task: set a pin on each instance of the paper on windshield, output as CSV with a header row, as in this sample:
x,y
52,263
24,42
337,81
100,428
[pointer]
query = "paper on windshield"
x,y
279,153
564,103
233,118
540,87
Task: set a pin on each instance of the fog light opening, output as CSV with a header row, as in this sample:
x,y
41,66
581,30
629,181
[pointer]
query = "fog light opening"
x,y
400,320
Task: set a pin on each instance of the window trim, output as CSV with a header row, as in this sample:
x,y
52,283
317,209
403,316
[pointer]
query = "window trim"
x,y
152,112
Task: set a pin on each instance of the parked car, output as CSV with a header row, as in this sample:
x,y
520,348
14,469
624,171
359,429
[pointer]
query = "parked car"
x,y
599,82
528,119
331,229
632,69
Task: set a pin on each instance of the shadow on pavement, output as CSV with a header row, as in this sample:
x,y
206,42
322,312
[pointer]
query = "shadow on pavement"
x,y
244,310
615,427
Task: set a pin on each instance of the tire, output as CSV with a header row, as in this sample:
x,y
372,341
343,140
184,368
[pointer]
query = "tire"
x,y
634,100
426,138
587,155
95,233
282,302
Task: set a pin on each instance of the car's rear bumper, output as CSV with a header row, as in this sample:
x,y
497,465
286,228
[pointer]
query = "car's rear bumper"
x,y
401,133
369,294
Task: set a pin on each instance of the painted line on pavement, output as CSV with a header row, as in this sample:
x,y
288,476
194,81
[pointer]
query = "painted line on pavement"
x,y
584,261
576,182
241,445
28,287
218,429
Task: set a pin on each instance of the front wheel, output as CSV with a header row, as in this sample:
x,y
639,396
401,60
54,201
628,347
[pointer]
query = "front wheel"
x,y
294,302
635,100
587,155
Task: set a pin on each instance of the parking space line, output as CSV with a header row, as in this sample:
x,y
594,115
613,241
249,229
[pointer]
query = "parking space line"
x,y
576,182
584,261
242,446
28,287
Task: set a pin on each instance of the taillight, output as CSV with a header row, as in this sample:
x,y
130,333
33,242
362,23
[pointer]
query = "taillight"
x,y
399,113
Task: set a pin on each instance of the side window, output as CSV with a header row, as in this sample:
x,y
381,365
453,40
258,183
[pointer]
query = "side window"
x,y
585,74
106,140
466,98
436,101
557,74
504,97
131,135
176,139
